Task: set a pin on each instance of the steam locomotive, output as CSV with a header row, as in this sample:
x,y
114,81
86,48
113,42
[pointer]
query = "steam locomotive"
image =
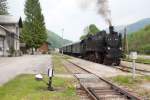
x,y
101,48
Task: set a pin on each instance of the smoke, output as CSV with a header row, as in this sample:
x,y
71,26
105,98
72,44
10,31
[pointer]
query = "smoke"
x,y
84,4
103,9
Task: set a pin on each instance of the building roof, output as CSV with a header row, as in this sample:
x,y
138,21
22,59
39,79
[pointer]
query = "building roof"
x,y
8,19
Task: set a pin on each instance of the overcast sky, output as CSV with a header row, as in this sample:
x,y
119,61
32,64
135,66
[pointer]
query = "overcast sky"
x,y
73,18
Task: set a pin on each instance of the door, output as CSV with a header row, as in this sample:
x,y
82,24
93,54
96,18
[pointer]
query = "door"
x,y
1,46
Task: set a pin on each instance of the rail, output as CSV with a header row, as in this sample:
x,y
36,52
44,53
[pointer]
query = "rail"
x,y
94,96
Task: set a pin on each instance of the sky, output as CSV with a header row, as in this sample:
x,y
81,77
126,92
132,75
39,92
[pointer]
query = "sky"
x,y
73,16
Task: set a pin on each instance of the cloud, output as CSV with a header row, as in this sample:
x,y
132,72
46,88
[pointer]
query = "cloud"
x,y
68,16
71,15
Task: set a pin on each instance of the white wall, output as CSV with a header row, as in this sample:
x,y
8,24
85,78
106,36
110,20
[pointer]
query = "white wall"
x,y
2,32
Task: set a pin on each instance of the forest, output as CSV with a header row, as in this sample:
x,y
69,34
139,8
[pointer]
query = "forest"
x,y
140,41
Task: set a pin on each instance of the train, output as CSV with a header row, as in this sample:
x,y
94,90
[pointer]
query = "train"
x,y
104,48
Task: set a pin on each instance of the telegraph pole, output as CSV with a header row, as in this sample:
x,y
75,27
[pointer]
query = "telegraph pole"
x,y
126,47
62,40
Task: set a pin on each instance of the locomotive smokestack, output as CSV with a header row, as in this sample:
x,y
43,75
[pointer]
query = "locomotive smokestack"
x,y
111,29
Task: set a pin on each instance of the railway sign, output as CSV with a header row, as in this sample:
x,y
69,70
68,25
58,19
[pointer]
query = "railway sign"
x,y
50,72
133,55
39,77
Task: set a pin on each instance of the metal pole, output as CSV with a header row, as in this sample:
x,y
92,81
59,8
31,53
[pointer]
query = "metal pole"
x,y
133,71
50,75
50,88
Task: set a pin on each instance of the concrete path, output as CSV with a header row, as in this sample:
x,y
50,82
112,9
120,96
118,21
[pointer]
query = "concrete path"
x,y
29,64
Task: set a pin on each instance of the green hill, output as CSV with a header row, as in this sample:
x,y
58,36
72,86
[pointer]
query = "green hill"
x,y
140,41
56,40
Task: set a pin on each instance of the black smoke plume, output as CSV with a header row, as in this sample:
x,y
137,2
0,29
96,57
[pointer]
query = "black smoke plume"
x,y
103,9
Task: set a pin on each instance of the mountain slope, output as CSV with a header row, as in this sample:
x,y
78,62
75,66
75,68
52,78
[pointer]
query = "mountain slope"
x,y
134,27
138,25
56,40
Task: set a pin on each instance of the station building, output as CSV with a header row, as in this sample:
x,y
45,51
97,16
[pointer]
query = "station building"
x,y
10,29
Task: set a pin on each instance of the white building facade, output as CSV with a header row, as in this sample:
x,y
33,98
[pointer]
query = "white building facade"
x,y
10,29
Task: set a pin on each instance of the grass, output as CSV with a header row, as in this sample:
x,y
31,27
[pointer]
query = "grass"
x,y
25,87
133,84
128,80
66,57
58,65
139,60
144,61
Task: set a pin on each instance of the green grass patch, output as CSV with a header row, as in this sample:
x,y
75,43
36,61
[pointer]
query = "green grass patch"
x,y
129,81
58,65
25,87
133,84
144,61
66,57
139,60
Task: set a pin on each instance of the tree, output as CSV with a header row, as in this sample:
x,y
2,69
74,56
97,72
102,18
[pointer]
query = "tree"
x,y
139,41
83,37
93,29
3,7
89,30
34,32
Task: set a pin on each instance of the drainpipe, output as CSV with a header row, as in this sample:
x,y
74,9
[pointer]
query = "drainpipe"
x,y
3,46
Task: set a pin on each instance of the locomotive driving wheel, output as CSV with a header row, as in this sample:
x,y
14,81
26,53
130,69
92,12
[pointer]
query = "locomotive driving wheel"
x,y
101,59
117,62
108,61
92,57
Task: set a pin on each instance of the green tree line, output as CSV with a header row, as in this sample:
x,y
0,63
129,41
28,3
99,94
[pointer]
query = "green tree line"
x,y
140,41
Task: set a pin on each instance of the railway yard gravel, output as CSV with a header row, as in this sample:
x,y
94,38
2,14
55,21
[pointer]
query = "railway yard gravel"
x,y
98,69
138,66
88,80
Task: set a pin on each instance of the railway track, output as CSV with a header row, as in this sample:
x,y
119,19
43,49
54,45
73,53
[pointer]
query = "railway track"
x,y
129,69
97,88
